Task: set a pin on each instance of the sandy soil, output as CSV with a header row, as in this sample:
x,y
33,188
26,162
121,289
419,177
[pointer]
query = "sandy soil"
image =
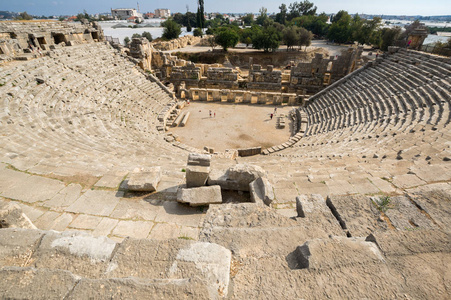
x,y
235,126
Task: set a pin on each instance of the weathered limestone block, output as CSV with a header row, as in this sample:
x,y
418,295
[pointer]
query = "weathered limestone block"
x,y
17,244
177,120
336,252
198,196
237,177
310,204
261,191
11,216
185,119
245,174
196,159
144,180
213,261
196,175
31,283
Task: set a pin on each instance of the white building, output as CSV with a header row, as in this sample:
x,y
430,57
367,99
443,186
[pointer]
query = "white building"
x,y
162,13
125,13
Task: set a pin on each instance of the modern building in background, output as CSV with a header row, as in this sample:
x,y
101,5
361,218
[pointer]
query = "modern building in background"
x,y
162,13
126,14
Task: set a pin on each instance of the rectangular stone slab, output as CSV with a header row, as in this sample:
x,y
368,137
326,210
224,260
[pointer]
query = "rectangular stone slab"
x,y
196,175
145,181
200,196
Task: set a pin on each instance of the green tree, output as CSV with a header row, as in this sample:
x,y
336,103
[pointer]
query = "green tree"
x,y
263,16
389,36
355,29
136,35
281,17
365,31
290,36
200,14
198,32
316,24
171,30
247,34
212,42
24,16
305,38
298,9
340,30
267,39
147,35
126,40
248,19
226,37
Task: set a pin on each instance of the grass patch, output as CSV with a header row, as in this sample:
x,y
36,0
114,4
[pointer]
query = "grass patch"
x,y
184,237
183,170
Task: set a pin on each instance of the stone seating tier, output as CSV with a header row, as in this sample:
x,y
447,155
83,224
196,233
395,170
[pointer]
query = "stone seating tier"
x,y
71,107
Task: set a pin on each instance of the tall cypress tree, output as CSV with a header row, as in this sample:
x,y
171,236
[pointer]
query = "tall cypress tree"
x,y
200,14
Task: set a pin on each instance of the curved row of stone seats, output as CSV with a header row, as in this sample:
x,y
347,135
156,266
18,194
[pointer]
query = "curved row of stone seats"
x,y
84,106
388,89
378,124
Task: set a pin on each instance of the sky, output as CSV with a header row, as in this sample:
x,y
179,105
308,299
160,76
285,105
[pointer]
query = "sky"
x,y
72,7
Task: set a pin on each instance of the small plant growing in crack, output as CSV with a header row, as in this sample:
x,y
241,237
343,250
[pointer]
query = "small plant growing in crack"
x,y
382,203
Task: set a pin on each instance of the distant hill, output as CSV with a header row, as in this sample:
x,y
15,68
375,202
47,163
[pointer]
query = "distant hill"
x,y
7,15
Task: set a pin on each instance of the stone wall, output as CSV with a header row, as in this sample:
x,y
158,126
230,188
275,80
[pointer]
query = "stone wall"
x,y
141,49
261,79
304,78
22,37
180,42
240,96
218,77
313,76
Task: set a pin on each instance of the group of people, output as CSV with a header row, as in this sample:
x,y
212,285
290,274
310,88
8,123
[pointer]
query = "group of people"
x,y
214,113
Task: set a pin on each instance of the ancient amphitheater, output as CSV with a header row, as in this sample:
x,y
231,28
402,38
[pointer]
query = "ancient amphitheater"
x,y
357,200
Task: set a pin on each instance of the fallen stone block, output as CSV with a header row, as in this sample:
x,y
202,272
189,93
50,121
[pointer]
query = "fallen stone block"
x,y
237,177
249,151
144,180
177,120
200,196
196,176
213,261
336,252
310,204
261,191
196,159
185,120
11,216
